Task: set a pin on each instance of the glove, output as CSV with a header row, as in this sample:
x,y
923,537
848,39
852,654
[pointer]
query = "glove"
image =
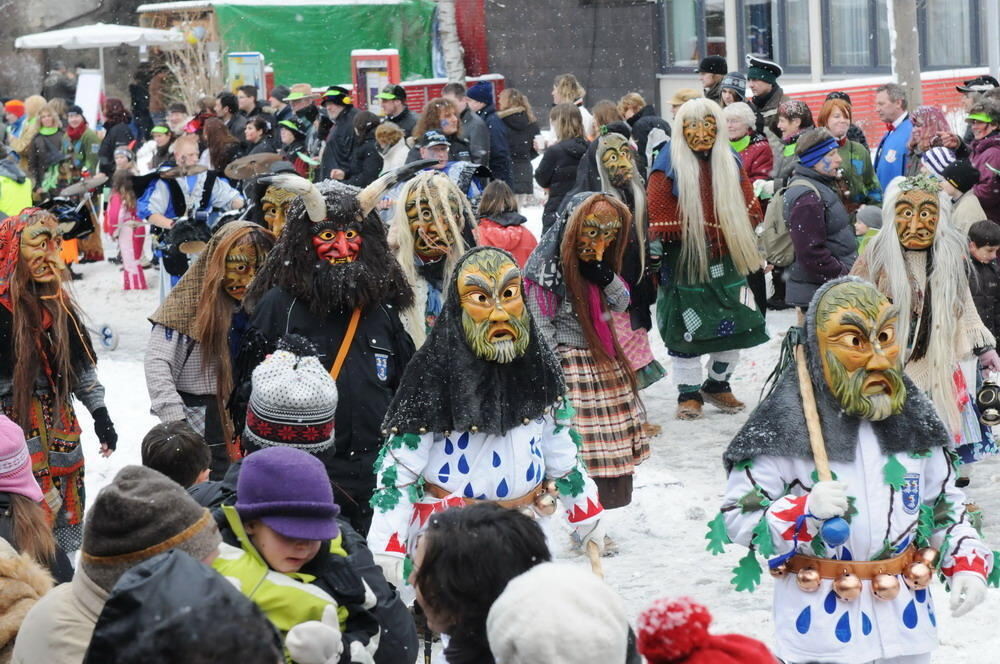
x,y
597,272
392,568
827,500
317,641
591,532
989,360
360,654
105,428
968,590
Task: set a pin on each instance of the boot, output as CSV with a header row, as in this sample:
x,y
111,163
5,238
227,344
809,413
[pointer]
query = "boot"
x,y
720,394
689,406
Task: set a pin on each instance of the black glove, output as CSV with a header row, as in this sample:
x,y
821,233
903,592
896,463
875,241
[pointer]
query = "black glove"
x,y
597,272
105,428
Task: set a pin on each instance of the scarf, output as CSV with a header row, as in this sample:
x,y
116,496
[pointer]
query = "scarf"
x,y
75,133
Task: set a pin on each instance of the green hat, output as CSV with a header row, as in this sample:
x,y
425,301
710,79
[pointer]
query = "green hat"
x,y
761,69
393,91
159,129
293,126
979,117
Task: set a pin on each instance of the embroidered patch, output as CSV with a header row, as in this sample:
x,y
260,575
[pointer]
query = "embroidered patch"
x,y
890,156
911,493
717,271
692,321
382,366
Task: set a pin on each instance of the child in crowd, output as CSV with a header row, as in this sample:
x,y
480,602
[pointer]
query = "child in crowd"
x,y
283,547
867,223
177,451
676,632
500,224
984,272
957,179
124,224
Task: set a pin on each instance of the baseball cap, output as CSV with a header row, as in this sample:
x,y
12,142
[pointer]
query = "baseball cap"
x,y
433,138
392,91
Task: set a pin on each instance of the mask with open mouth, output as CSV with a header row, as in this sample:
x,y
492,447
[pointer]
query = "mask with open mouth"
x,y
41,244
859,350
242,262
432,236
494,317
337,243
597,232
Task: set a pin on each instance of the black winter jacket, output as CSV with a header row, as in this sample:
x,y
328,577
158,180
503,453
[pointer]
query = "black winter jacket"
x,y
500,163
642,123
521,133
117,135
339,144
366,162
406,121
984,283
368,380
398,642
557,173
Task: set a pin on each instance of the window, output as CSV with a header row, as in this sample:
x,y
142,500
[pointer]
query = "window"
x,y
947,34
692,29
777,30
856,36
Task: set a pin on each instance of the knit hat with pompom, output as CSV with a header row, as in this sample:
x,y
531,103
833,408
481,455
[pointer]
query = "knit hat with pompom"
x,y
675,631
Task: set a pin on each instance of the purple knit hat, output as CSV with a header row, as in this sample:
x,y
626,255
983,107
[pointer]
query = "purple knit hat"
x,y
289,491
15,462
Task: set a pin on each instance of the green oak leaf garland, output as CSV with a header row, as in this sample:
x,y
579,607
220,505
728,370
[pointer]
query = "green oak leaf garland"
x,y
746,574
717,536
894,473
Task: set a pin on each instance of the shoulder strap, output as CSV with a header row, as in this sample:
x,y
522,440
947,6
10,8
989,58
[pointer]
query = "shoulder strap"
x,y
345,345
206,191
177,199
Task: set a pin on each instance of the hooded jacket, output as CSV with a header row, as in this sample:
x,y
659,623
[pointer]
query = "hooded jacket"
x,y
557,173
643,122
22,584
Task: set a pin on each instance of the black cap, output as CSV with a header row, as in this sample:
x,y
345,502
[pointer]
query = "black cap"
x,y
280,92
839,94
978,84
392,91
296,125
74,109
713,64
338,95
961,174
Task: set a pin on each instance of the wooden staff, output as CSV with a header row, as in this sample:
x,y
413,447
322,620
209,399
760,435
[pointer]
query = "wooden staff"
x,y
812,416
594,553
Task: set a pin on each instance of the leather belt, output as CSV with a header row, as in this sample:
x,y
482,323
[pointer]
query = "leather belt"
x,y
864,570
513,504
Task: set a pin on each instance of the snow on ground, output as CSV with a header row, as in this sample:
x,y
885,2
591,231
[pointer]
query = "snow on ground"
x,y
661,535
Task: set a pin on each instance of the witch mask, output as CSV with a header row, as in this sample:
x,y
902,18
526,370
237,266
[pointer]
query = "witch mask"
x,y
597,232
494,316
917,215
432,236
700,133
859,349
242,262
41,243
617,160
274,205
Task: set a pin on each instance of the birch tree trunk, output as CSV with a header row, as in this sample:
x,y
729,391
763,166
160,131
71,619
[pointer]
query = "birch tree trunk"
x,y
451,45
904,42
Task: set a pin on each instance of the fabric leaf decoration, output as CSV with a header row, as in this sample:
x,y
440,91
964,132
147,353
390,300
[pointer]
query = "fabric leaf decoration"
x,y
717,536
942,512
762,538
818,547
852,509
746,575
576,438
994,577
571,484
815,476
894,473
754,500
385,500
925,525
566,411
920,454
744,464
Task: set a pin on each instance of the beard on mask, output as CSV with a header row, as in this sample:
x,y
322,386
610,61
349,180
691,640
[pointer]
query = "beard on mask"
x,y
501,352
846,388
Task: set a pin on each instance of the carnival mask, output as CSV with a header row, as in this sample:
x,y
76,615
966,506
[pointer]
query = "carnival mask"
x,y
859,348
432,236
494,317
597,232
274,204
241,265
337,243
617,161
41,243
700,133
917,218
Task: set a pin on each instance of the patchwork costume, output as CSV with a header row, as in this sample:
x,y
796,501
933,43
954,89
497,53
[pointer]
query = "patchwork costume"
x,y
862,597
481,414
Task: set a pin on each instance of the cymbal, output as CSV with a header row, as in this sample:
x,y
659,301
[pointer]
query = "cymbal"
x,y
251,165
84,186
183,171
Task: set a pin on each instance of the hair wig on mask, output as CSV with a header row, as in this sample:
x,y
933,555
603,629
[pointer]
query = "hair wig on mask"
x,y
730,208
947,284
637,189
375,277
443,196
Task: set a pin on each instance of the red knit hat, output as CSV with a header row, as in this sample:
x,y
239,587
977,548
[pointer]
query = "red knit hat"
x,y
15,106
676,632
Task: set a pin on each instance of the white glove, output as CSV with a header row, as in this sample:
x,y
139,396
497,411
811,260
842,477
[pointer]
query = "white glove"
x,y
360,654
317,641
392,567
827,500
968,590
593,531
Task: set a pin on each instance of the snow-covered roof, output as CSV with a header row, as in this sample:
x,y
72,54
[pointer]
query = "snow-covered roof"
x,y
206,4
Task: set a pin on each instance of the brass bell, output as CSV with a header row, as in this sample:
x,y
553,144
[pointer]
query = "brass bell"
x,y
778,572
928,556
422,430
473,428
550,488
808,579
847,586
394,430
525,420
917,575
885,586
545,504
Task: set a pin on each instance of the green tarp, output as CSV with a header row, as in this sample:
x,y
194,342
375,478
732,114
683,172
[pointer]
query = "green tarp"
x,y
313,43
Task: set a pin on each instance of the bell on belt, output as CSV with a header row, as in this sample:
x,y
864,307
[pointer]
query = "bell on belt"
x,y
928,556
545,504
885,586
778,571
917,575
550,487
988,403
808,579
847,586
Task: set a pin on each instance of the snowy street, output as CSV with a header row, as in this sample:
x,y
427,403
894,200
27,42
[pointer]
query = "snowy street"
x,y
660,536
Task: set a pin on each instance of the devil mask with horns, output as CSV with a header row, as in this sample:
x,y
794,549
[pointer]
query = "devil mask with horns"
x,y
333,253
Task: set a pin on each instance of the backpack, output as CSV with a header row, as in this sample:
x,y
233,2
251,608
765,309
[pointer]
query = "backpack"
x,y
775,240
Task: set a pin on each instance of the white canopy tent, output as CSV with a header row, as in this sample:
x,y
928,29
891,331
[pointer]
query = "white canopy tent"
x,y
100,36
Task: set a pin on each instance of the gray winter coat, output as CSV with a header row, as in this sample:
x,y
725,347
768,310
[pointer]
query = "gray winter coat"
x,y
821,232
